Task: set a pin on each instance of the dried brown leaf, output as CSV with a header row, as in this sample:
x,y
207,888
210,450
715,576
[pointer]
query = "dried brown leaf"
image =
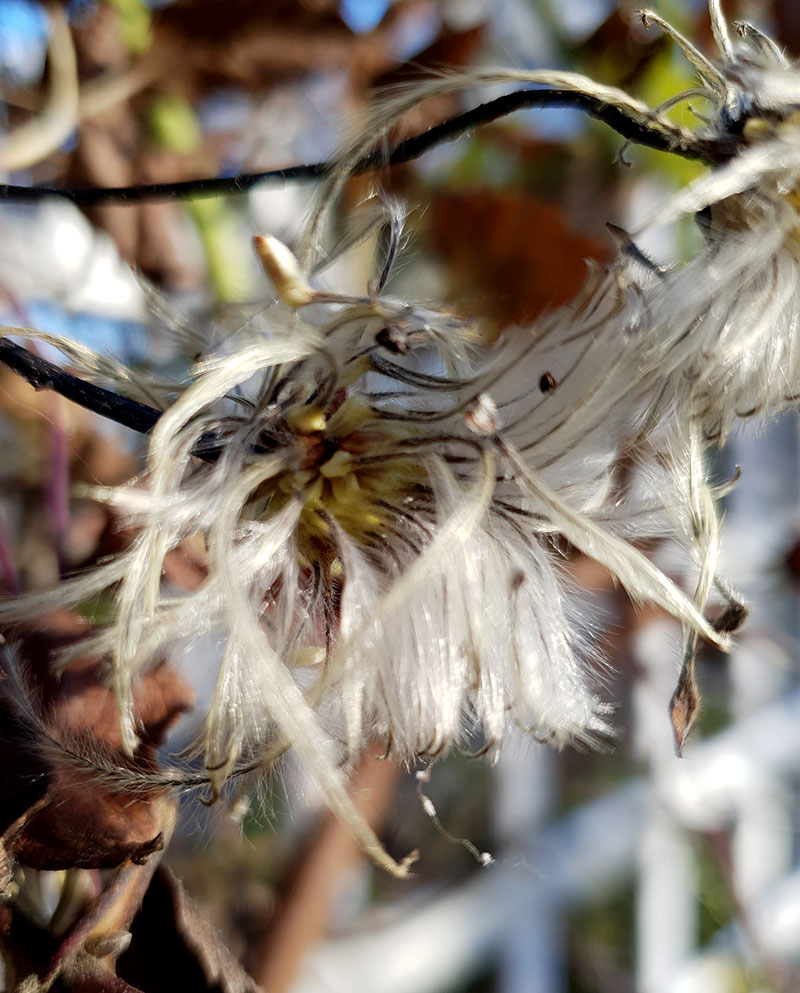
x,y
74,815
509,256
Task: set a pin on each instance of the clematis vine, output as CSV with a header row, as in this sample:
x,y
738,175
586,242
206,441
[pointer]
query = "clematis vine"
x,y
385,500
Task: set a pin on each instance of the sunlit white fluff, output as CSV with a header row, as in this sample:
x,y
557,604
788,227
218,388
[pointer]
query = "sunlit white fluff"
x,y
726,324
379,498
382,499
718,335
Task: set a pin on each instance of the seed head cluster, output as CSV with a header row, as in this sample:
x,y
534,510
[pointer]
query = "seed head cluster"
x,y
385,501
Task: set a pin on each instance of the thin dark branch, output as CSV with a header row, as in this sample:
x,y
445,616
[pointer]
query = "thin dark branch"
x,y
44,375
94,196
639,132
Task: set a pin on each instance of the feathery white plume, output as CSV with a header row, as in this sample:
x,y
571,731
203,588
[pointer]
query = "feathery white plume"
x,y
379,530
727,326
382,500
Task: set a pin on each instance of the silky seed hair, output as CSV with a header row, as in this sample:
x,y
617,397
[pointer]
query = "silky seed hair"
x,y
379,514
384,501
728,320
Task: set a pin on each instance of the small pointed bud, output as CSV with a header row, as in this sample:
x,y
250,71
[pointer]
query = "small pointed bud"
x,y
684,705
283,271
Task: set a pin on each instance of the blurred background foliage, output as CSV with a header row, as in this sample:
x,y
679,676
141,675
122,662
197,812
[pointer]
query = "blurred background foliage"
x,y
501,224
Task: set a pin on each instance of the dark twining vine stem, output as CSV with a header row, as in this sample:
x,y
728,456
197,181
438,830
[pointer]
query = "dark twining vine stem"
x,y
639,132
139,417
44,375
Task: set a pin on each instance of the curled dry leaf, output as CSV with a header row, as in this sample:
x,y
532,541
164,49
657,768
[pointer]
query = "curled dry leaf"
x,y
61,806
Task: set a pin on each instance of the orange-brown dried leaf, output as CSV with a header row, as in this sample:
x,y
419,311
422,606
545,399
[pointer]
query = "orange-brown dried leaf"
x,y
94,458
509,256
87,826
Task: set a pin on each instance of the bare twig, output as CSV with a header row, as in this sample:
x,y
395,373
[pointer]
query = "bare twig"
x,y
44,375
660,136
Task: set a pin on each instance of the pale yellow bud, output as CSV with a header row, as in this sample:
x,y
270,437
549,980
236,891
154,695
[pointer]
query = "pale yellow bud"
x,y
283,271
